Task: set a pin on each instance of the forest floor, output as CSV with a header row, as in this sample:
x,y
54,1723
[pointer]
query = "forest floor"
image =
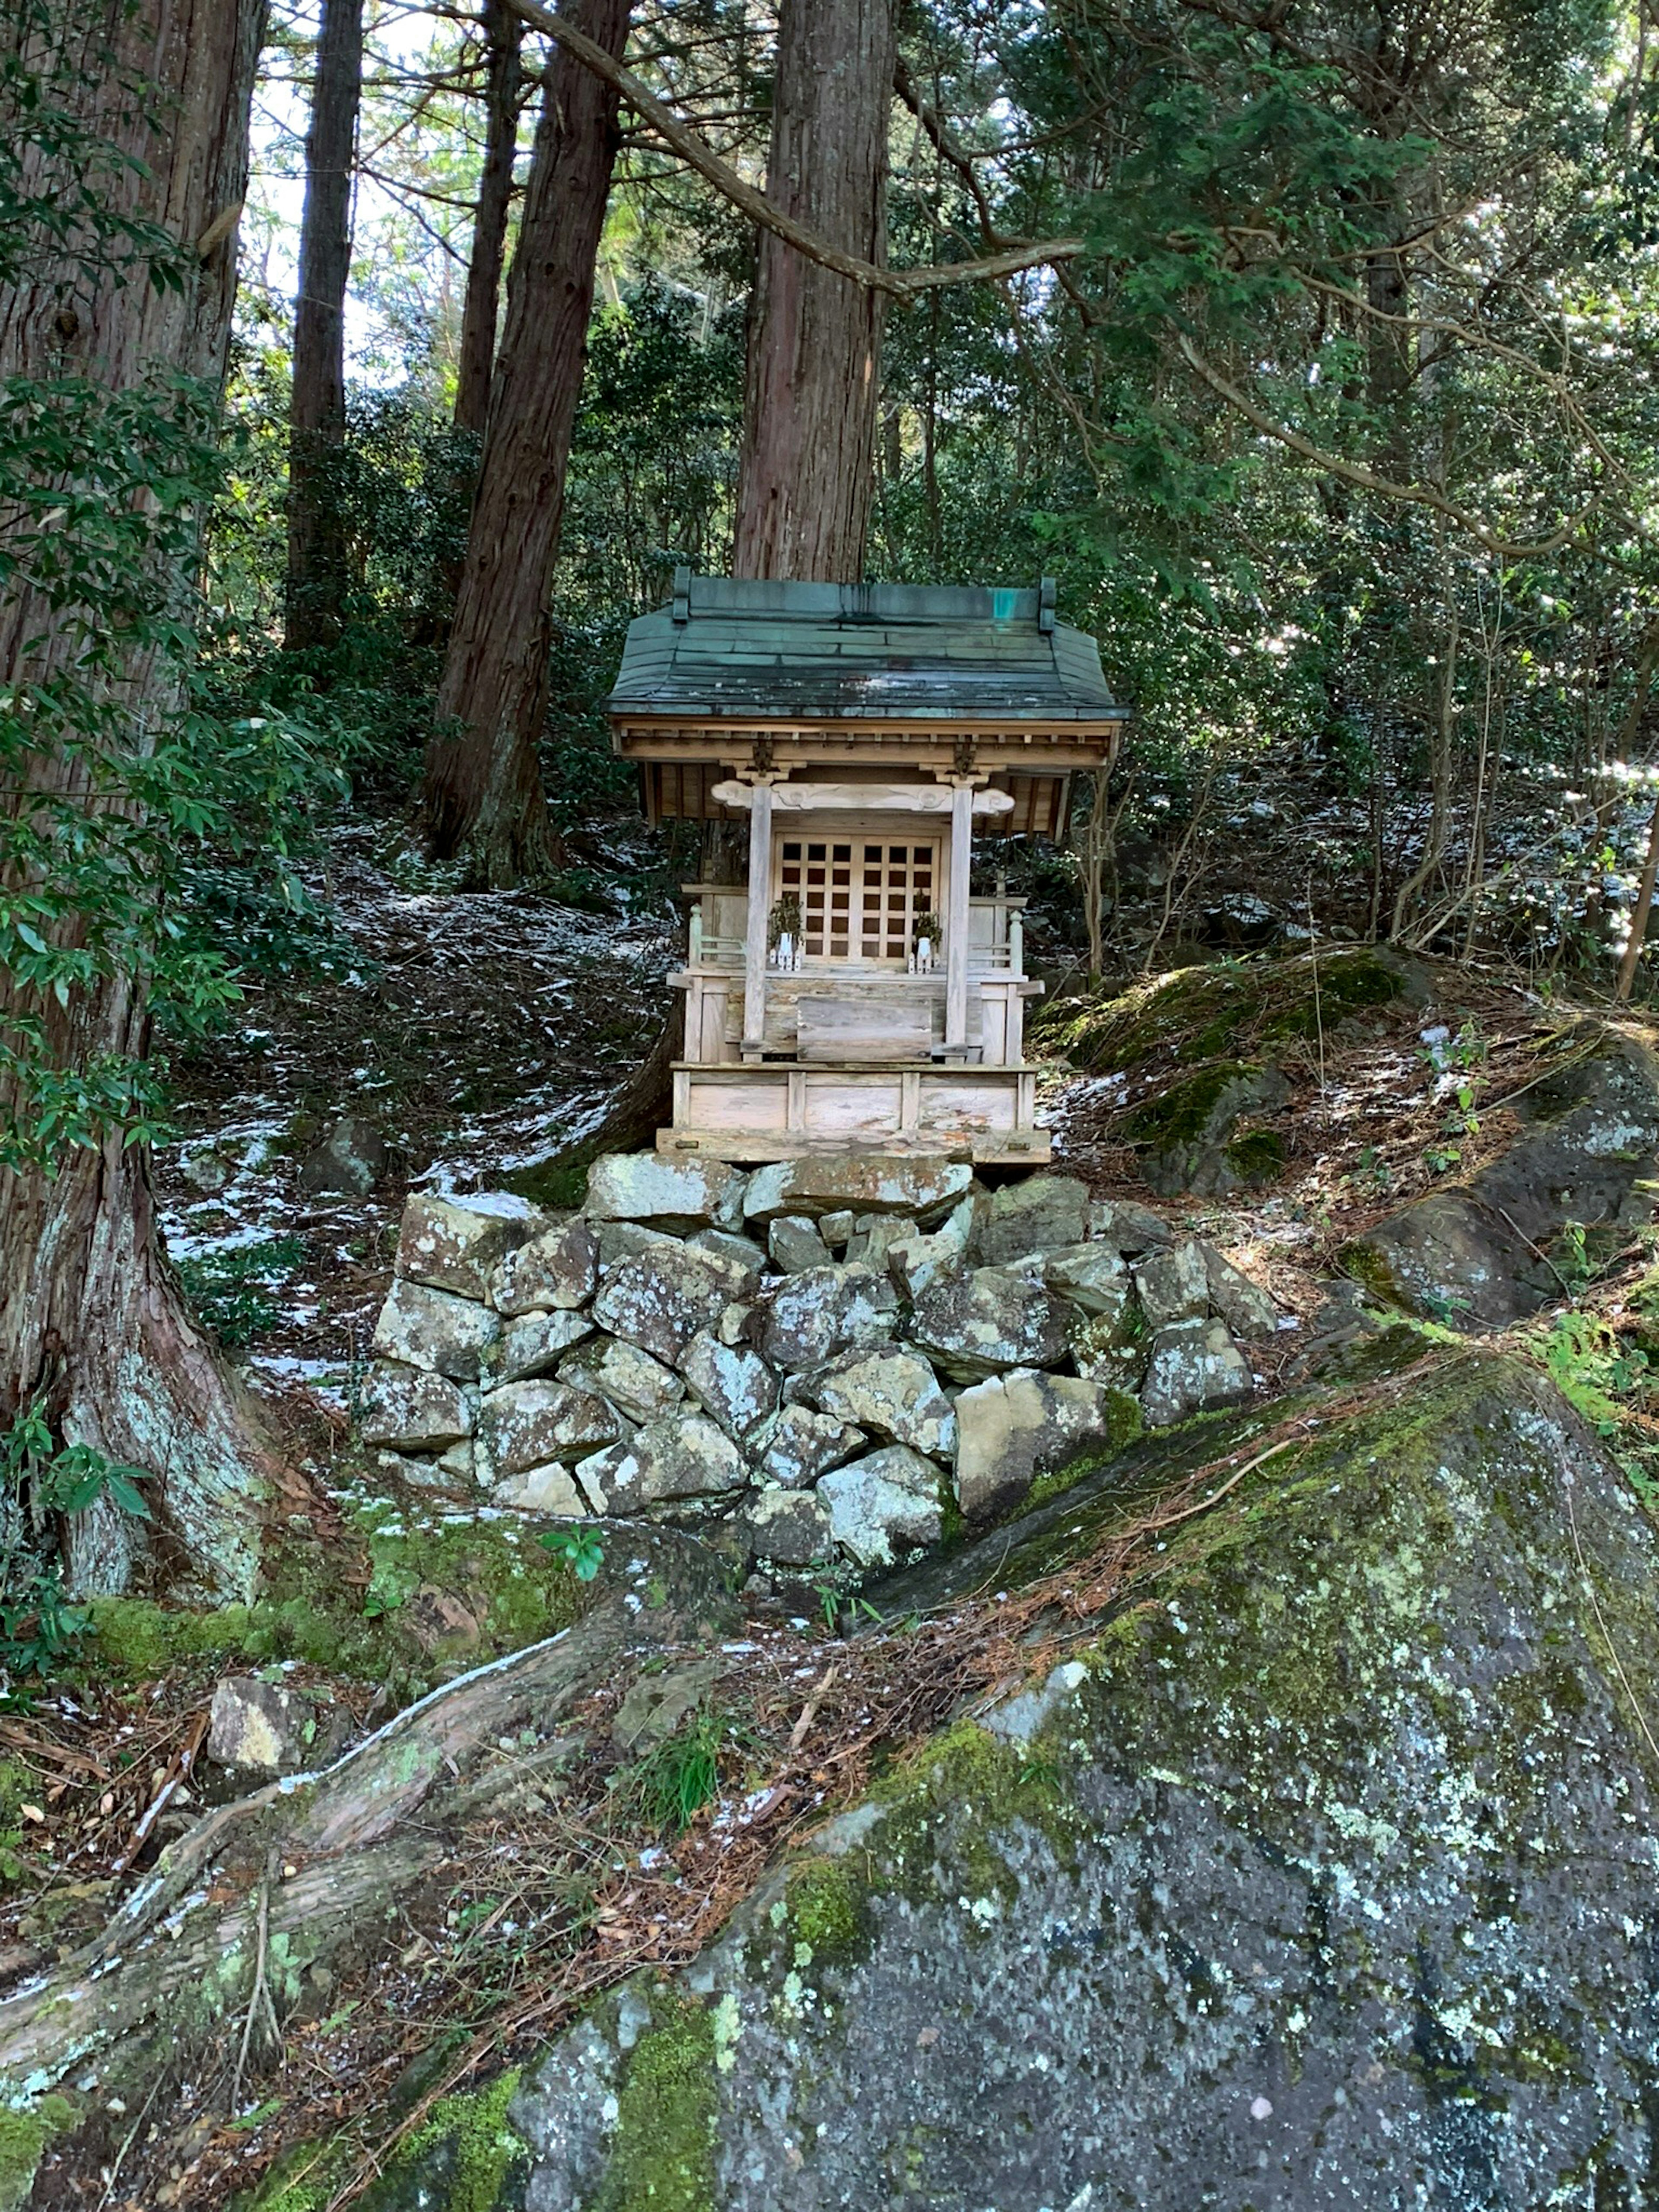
x,y
477,1032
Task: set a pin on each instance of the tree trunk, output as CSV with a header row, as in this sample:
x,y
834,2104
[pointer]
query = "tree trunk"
x,y
483,785
503,33
812,384
90,1317
316,541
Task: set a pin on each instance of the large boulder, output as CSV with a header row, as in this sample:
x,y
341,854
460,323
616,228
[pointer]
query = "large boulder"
x,y
454,1243
1321,1876
660,1298
883,1505
1483,1253
1039,1213
1187,1131
894,1393
923,1187
988,1321
411,1409
558,1268
1014,1427
676,1195
434,1329
809,1317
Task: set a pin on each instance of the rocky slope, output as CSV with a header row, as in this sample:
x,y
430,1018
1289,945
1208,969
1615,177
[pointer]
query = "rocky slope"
x,y
1321,1875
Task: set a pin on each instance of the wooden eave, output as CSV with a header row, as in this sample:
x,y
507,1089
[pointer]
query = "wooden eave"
x,y
1050,746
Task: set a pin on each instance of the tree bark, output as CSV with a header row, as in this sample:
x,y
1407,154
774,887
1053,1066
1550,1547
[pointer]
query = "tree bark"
x,y
90,1317
503,35
316,541
812,384
483,786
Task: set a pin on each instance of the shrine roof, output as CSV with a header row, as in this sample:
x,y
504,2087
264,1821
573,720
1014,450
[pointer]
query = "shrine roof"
x,y
733,647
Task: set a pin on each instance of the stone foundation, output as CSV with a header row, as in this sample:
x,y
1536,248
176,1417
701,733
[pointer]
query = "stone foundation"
x,y
835,1357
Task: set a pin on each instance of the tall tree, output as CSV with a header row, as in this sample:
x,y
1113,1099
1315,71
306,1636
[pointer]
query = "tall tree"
x,y
316,541
806,476
126,160
503,37
483,784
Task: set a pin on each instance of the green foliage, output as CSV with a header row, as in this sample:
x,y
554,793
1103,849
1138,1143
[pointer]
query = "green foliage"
x,y
230,1290
675,1780
579,1549
41,1482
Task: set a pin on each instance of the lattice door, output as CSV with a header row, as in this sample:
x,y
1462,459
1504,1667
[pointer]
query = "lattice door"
x,y
881,891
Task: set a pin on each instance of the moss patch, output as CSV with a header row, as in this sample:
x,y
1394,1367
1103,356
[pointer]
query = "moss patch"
x,y
23,2139
1187,1112
1123,1424
1195,1014
662,2158
462,2158
1257,1156
827,1912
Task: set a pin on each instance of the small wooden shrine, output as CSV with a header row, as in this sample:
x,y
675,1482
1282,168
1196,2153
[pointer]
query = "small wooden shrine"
x,y
853,994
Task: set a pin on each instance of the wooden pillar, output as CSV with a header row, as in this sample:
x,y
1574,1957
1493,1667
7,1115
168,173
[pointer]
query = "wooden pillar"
x,y
760,917
955,917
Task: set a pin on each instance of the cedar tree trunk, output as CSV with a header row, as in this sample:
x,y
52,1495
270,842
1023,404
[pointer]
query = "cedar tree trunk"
x,y
483,784
316,422
90,1316
503,33
805,475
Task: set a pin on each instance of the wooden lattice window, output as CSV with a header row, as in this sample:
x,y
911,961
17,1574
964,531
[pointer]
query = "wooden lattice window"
x,y
859,900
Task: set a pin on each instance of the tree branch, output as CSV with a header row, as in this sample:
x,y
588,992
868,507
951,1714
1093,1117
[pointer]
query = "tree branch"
x,y
900,283
1355,473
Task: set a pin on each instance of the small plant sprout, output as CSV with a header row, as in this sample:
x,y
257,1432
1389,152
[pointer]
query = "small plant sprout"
x,y
579,1549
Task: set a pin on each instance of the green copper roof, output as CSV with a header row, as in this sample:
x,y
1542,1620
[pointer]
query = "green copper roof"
x,y
841,651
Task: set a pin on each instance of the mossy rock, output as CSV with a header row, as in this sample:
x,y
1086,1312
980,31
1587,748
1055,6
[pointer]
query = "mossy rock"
x,y
1321,1875
1229,1010
1187,1131
466,2156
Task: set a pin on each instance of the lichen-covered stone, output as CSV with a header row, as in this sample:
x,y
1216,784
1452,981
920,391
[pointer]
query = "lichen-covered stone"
x,y
677,1456
559,1268
804,1444
659,1299
793,1244
258,1727
676,1195
412,1409
551,1489
987,1320
1173,1286
786,1528
914,1262
438,1330
524,1425
534,1344
638,1386
1242,1304
733,1385
875,1235
808,1318
1329,1883
1090,1277
1014,1427
1039,1213
849,1183
1127,1227
1193,1367
744,1251
892,1392
454,1243
880,1505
